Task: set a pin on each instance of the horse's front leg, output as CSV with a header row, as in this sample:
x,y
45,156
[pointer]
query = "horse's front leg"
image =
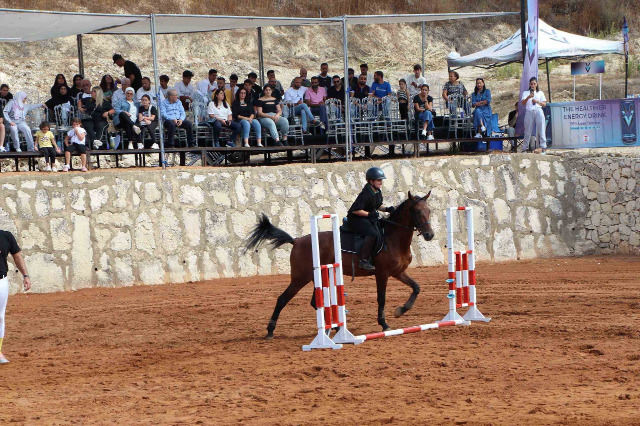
x,y
381,283
415,290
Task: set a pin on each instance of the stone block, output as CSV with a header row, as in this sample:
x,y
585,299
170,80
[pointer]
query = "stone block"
x,y
503,245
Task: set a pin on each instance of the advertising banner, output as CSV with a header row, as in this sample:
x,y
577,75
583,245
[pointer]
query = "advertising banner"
x,y
581,68
595,124
530,60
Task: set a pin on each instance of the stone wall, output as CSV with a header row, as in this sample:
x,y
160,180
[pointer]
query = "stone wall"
x,y
125,227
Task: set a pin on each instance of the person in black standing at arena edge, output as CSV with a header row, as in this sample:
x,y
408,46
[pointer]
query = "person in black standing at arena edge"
x,y
131,71
363,215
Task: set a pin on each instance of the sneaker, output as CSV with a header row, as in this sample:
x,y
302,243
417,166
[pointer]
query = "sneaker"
x,y
278,143
18,150
430,137
97,144
84,169
246,145
478,136
544,152
48,169
2,149
260,144
322,126
483,129
140,145
130,146
423,133
65,168
155,146
54,169
136,129
3,360
231,144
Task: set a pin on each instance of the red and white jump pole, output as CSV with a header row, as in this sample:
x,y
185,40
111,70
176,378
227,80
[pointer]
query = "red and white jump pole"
x,y
329,292
462,272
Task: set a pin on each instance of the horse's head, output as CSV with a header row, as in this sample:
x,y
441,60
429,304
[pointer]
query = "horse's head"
x,y
421,215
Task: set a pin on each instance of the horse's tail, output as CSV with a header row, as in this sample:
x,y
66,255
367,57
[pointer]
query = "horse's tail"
x,y
265,231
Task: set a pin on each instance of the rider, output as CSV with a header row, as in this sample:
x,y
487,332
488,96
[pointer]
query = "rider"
x,y
363,215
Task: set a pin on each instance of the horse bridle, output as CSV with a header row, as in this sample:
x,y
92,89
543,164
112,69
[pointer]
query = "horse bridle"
x,y
416,224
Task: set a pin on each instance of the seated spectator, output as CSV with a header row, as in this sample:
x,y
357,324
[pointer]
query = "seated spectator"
x,y
98,109
164,86
173,115
59,82
481,101
221,116
207,86
269,114
77,86
15,115
185,89
244,114
62,98
380,88
337,91
324,79
315,97
148,121
453,87
403,99
271,77
74,141
423,104
305,82
364,70
108,86
233,85
85,94
273,83
118,95
353,80
126,115
146,89
252,95
46,143
362,90
415,80
512,119
5,94
254,78
295,96
222,85
131,71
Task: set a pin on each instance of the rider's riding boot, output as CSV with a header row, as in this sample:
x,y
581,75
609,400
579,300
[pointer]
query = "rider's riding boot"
x,y
365,256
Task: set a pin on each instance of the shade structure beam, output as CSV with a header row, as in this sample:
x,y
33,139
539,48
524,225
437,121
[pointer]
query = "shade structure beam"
x,y
156,79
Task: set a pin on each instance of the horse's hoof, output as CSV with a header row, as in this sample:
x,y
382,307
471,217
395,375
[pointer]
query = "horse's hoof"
x,y
387,328
400,311
269,336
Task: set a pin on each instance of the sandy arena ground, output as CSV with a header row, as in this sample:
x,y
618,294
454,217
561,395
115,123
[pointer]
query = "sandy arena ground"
x,y
563,347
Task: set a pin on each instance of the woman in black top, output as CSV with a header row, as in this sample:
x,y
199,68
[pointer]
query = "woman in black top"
x,y
60,81
363,215
148,121
270,116
242,111
61,98
77,86
423,104
98,109
403,99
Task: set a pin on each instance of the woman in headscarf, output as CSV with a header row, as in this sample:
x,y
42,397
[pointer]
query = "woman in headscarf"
x,y
15,114
57,84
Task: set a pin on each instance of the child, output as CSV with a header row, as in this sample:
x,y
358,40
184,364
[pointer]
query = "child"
x,y
46,143
148,122
74,141
15,115
403,99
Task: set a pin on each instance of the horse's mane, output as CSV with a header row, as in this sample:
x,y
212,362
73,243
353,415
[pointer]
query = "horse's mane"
x,y
395,216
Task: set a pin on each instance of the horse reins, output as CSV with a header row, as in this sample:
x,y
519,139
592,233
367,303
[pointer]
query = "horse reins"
x,y
416,225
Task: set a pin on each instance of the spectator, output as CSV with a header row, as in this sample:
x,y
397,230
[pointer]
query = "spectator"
x,y
148,121
62,98
98,109
222,85
364,70
481,101
403,99
173,115
252,95
324,79
15,115
85,94
271,77
221,116
423,104
305,82
59,82
380,88
146,89
5,97
108,86
362,89
256,87
315,97
131,71
353,80
533,101
453,87
185,89
295,96
243,114
126,115
46,143
5,94
337,91
415,80
164,86
74,141
206,86
273,83
512,119
269,114
118,94
77,85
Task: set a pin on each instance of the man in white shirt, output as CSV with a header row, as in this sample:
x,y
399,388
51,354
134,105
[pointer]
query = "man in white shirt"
x,y
294,99
415,80
364,70
164,86
207,86
185,89
118,95
146,89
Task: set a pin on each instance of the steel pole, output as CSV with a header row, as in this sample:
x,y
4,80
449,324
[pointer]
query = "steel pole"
x,y
80,56
423,44
523,30
548,80
260,57
347,101
157,83
626,73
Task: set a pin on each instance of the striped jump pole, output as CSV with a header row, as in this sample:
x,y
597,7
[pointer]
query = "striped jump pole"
x,y
329,292
413,329
462,272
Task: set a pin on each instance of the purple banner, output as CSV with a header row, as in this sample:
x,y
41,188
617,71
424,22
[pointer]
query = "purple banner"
x,y
530,60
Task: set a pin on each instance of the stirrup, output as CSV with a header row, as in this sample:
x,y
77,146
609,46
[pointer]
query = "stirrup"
x,y
366,264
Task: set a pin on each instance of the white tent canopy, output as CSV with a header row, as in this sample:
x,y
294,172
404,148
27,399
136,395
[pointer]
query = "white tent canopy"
x,y
552,43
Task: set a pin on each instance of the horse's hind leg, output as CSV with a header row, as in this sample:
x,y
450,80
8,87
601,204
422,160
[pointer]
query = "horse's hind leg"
x,y
415,290
284,298
381,284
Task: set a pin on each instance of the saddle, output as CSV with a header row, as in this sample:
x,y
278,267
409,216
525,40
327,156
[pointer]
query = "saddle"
x,y
352,242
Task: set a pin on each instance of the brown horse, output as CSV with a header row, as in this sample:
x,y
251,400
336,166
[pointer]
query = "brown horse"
x,y
412,214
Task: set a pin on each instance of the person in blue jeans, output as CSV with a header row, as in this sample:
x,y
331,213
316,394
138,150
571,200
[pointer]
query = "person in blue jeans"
x,y
481,101
295,96
270,116
423,104
243,114
221,116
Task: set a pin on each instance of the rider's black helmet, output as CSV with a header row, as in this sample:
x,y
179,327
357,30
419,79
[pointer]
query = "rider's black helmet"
x,y
375,173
